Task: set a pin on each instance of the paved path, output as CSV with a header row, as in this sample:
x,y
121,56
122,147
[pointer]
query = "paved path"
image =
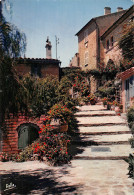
x,y
92,171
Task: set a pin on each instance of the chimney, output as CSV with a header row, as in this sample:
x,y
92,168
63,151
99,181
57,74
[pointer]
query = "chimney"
x,y
107,10
48,49
119,9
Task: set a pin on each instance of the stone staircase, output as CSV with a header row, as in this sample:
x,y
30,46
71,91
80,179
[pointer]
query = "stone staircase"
x,y
101,136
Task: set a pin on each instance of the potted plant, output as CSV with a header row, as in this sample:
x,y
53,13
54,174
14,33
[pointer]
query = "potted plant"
x,y
109,104
92,99
61,115
104,100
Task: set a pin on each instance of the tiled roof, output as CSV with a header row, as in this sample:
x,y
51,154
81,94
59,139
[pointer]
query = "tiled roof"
x,y
99,17
117,22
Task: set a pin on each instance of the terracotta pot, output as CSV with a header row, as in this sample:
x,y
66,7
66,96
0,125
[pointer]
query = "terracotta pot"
x,y
108,107
63,128
92,102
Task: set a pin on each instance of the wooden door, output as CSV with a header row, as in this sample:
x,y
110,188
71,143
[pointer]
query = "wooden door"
x,y
27,134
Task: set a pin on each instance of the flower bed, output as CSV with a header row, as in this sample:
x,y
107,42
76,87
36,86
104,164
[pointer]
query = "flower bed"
x,y
50,147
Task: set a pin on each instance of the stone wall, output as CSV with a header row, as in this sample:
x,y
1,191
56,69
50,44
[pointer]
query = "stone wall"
x,y
114,53
10,136
95,28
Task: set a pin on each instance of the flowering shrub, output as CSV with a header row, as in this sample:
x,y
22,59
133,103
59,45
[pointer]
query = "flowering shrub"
x,y
4,157
60,112
50,147
104,100
115,103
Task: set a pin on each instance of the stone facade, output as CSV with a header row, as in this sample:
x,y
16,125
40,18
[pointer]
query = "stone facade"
x,y
111,37
74,62
127,94
38,67
97,40
10,137
89,44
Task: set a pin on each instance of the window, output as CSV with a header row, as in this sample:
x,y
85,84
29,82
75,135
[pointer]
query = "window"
x,y
112,41
107,44
86,35
36,70
86,58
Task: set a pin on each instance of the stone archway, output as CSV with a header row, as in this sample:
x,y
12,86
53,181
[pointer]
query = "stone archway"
x,y
27,134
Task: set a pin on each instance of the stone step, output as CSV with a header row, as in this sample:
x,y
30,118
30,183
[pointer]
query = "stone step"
x,y
106,133
99,121
100,158
93,143
91,108
115,129
105,152
95,113
105,138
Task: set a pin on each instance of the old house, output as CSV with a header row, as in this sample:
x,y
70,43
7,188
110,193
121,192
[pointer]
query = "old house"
x,y
39,67
127,93
90,47
74,62
97,40
111,37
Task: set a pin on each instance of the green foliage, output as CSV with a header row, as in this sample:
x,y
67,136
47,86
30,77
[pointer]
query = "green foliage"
x,y
42,94
126,42
12,93
60,112
130,161
105,73
130,118
13,96
107,90
126,64
4,157
131,141
12,41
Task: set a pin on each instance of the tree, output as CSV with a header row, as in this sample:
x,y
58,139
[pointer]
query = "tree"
x,y
126,43
12,45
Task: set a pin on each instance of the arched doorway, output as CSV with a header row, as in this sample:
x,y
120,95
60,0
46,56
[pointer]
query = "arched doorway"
x,y
27,133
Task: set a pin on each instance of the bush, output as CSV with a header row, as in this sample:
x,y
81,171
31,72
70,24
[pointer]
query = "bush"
x,y
131,140
130,118
4,157
60,112
130,161
50,147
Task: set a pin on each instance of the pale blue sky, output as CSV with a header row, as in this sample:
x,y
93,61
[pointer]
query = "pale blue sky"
x,y
64,18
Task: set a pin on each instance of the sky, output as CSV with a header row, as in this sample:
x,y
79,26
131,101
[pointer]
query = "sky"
x,y
62,18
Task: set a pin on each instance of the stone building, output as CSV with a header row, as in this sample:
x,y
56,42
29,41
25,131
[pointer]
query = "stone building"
x,y
111,37
39,67
90,47
97,40
74,62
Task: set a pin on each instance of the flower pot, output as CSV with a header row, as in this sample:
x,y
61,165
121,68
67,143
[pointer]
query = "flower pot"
x,y
63,128
55,123
108,107
92,102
